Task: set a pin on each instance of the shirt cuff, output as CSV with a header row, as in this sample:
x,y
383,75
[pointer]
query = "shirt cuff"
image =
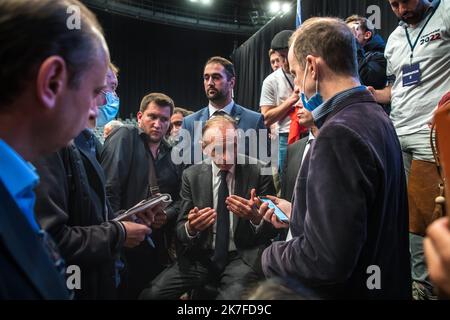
x,y
187,232
256,225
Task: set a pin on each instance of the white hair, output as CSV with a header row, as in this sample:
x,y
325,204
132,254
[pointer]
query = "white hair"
x,y
114,124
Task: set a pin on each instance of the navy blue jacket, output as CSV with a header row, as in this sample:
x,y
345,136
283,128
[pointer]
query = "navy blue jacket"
x,y
26,270
245,118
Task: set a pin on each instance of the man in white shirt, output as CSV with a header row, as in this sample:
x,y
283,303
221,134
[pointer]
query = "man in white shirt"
x,y
418,67
276,60
278,95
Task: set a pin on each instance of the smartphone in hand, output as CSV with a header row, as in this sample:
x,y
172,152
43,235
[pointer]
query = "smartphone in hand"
x,y
278,212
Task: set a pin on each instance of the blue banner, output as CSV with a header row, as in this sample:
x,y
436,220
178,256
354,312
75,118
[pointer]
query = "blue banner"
x,y
298,17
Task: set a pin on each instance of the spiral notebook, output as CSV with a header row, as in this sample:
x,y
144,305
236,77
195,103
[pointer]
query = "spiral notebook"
x,y
161,200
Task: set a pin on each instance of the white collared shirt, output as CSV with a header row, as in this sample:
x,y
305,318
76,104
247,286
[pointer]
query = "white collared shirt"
x,y
308,144
216,185
227,109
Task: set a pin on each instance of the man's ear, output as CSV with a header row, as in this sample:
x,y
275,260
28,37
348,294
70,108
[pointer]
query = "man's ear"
x,y
367,35
232,82
139,117
52,77
312,66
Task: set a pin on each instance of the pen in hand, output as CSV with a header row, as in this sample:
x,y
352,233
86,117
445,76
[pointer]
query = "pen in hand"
x,y
147,237
150,241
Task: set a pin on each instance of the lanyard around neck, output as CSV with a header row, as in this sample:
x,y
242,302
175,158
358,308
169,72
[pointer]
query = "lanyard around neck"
x,y
287,79
413,46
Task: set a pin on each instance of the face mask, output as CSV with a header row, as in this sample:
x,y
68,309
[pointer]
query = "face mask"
x,y
108,111
316,100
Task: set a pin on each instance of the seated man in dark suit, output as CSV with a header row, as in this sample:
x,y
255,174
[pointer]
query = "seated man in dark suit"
x,y
220,233
296,153
219,79
47,93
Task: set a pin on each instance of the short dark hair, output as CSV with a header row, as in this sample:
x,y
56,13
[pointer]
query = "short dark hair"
x,y
160,99
32,31
183,111
328,38
227,64
271,52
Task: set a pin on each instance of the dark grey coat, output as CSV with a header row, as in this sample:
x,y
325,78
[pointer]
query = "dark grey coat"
x,y
71,205
197,191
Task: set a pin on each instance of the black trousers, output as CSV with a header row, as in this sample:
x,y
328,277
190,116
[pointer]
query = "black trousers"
x,y
236,280
142,265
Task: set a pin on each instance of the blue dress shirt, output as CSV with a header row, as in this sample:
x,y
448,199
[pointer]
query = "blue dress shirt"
x,y
19,178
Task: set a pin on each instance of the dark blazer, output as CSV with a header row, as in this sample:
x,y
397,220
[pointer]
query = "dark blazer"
x,y
197,191
350,210
245,118
372,63
81,141
26,270
125,158
71,205
291,167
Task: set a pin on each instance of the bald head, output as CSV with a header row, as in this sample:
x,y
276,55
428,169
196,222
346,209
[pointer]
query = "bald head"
x,y
219,141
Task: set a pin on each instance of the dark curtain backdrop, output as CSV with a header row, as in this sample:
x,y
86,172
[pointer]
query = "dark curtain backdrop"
x,y
160,58
251,58
343,9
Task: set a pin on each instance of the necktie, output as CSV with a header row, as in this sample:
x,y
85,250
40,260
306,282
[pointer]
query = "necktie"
x,y
218,113
223,224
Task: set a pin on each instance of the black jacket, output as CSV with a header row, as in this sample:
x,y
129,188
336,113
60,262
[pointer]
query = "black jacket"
x,y
125,158
71,205
291,168
372,63
375,44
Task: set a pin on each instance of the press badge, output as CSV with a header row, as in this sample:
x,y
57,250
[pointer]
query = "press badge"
x,y
411,75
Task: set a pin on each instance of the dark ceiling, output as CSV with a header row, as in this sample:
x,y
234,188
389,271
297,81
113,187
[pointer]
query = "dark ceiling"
x,y
227,16
236,11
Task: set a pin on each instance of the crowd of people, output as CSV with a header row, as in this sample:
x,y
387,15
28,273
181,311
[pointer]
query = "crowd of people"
x,y
340,146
